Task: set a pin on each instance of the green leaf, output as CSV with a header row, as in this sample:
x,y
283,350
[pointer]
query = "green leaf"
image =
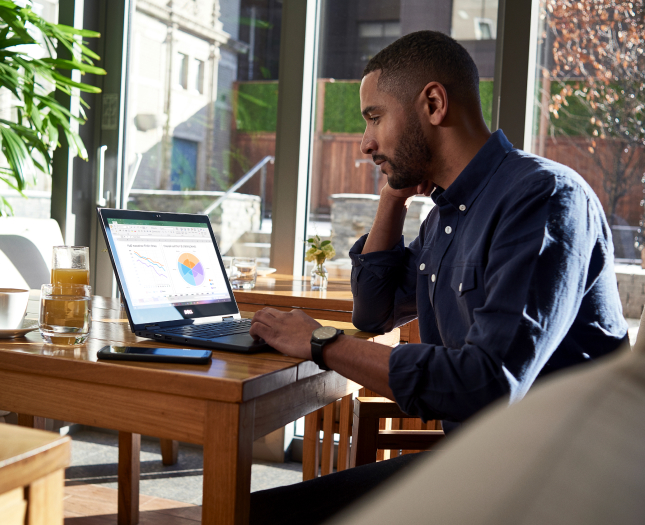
x,y
59,63
325,243
80,85
75,31
310,240
18,157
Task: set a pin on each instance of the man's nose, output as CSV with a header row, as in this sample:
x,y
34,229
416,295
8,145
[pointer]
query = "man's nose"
x,y
368,144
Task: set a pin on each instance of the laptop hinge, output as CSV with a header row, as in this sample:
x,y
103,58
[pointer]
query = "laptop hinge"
x,y
151,326
226,318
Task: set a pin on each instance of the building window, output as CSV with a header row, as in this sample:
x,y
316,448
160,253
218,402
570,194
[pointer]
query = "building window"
x,y
198,75
484,29
182,70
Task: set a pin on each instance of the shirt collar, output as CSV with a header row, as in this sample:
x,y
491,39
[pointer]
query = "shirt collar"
x,y
471,181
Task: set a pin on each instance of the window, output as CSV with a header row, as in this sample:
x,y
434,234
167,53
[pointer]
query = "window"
x,y
198,76
182,70
588,103
344,183
188,140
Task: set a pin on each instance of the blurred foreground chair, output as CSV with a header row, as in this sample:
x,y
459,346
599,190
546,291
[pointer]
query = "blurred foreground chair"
x,y
570,452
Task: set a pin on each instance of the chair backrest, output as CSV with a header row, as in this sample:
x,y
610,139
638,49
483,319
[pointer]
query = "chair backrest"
x,y
25,251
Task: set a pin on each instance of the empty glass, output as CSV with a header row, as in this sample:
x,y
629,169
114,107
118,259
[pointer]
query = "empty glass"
x,y
243,273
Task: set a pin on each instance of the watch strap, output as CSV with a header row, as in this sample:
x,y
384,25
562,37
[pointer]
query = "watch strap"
x,y
317,350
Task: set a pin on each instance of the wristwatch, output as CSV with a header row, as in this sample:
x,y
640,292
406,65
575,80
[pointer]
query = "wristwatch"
x,y
319,338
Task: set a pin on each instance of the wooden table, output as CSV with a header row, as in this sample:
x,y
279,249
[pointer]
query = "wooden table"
x,y
286,292
32,476
225,405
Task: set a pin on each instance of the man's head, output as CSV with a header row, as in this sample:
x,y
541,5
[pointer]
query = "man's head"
x,y
404,99
408,64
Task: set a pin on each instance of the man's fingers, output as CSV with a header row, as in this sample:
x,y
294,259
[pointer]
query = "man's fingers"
x,y
259,330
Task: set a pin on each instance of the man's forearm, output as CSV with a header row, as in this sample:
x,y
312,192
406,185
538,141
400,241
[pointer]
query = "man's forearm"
x,y
361,361
388,224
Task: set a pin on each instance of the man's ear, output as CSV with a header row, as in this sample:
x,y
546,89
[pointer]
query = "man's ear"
x,y
434,100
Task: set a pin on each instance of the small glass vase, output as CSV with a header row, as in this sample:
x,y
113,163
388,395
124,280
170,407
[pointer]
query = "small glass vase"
x,y
319,277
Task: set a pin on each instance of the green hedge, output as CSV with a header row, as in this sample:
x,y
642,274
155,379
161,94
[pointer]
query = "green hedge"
x,y
257,104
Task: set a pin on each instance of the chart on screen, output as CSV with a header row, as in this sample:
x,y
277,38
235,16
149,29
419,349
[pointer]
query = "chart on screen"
x,y
191,269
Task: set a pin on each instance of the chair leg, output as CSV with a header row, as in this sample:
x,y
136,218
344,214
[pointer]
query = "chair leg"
x,y
310,456
345,425
25,420
327,463
169,451
364,436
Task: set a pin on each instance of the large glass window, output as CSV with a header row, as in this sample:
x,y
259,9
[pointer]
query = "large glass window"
x,y
589,105
201,114
345,184
37,205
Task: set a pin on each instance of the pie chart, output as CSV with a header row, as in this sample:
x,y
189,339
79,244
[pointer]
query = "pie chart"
x,y
190,269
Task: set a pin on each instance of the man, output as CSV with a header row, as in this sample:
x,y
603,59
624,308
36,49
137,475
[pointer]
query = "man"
x,y
511,276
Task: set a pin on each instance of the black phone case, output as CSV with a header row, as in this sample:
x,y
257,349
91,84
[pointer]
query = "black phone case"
x,y
151,358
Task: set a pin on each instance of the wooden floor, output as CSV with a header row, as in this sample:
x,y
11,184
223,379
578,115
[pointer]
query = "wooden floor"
x,y
96,505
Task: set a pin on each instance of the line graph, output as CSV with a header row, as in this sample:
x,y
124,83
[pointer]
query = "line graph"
x,y
147,265
156,270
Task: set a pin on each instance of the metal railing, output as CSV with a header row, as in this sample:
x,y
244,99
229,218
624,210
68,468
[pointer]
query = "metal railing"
x,y
262,168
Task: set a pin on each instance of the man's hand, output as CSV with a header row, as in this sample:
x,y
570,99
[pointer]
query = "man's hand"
x,y
388,223
425,188
287,332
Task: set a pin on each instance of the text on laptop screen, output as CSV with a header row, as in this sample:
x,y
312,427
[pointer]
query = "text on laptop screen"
x,y
168,263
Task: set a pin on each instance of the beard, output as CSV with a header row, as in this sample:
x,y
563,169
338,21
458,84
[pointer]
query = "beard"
x,y
412,157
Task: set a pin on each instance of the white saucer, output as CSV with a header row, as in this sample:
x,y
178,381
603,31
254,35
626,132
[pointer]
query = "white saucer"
x,y
28,325
263,270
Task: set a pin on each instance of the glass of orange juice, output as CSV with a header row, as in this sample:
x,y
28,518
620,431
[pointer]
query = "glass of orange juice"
x,y
70,265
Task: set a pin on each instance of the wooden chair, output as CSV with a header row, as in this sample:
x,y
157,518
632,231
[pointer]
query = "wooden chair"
x,y
372,438
377,427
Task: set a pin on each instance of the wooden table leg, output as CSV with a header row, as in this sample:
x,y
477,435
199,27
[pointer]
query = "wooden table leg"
x,y
25,420
228,444
129,451
169,451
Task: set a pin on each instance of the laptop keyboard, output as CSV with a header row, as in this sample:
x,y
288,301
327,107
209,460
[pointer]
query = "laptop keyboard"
x,y
210,331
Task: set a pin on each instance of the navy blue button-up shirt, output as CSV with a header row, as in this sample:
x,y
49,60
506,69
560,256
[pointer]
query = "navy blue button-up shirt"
x,y
511,278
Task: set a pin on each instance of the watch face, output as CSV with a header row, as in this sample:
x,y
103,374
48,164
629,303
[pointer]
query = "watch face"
x,y
324,332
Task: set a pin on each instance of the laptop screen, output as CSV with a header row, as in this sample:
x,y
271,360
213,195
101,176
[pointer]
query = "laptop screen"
x,y
169,270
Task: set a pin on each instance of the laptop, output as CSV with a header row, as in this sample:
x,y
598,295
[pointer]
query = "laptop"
x,y
172,280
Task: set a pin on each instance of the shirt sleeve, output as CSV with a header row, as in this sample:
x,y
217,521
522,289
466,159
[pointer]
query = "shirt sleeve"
x,y
537,273
384,286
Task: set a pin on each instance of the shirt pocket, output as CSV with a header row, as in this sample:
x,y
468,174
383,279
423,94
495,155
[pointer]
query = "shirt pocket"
x,y
467,284
464,279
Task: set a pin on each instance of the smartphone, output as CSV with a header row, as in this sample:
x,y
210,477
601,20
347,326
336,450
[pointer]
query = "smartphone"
x,y
158,355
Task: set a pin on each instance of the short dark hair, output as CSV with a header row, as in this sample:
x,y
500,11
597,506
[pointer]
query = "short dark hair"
x,y
408,64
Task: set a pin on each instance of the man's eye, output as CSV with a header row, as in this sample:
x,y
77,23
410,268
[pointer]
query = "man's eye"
x,y
374,119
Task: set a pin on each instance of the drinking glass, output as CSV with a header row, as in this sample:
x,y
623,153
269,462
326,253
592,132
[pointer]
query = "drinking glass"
x,y
71,265
65,313
243,273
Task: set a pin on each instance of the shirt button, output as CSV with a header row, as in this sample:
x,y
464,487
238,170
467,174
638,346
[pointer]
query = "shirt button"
x,y
422,266
462,207
448,229
433,277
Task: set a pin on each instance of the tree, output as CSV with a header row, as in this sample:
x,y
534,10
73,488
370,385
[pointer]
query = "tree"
x,y
597,70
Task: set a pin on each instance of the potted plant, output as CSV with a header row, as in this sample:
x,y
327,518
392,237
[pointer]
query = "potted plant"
x,y
319,251
27,141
